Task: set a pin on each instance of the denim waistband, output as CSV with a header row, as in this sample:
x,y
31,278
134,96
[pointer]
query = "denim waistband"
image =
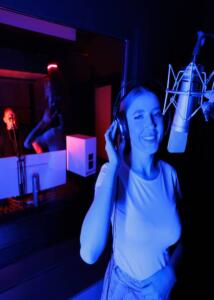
x,y
125,278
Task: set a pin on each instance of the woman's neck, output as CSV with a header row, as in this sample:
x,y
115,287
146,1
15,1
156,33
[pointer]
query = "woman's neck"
x,y
143,164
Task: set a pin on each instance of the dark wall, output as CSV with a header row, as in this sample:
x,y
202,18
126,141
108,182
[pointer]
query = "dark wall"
x,y
163,31
105,17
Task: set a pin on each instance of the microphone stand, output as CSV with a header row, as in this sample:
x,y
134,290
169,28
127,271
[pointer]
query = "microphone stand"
x,y
20,163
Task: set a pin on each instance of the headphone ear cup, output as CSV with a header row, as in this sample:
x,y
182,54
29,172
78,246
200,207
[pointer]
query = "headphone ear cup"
x,y
122,125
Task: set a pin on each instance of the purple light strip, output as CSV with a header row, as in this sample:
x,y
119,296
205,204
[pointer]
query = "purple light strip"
x,y
37,25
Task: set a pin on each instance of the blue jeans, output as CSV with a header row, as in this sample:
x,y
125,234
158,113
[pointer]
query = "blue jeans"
x,y
118,285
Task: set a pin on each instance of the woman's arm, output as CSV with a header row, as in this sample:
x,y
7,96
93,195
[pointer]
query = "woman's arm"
x,y
176,257
43,124
30,139
95,228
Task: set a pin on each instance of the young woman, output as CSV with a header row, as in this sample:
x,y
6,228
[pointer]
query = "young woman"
x,y
137,193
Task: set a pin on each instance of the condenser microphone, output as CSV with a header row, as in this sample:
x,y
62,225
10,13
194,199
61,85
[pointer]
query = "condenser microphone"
x,y
180,125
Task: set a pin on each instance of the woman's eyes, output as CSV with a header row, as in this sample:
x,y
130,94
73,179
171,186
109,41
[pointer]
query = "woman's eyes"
x,y
136,117
157,114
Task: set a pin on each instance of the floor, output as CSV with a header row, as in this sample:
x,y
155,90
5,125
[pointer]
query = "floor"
x,y
39,247
56,272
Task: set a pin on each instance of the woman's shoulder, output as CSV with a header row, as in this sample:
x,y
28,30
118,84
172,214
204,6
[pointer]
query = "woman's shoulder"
x,y
102,174
167,167
104,167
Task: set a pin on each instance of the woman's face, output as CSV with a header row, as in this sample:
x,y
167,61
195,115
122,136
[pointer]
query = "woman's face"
x,y
145,122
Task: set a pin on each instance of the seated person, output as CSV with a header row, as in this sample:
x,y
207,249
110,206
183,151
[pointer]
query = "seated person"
x,y
12,135
48,134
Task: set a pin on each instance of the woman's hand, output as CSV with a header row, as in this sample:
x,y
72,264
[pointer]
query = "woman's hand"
x,y
159,285
114,153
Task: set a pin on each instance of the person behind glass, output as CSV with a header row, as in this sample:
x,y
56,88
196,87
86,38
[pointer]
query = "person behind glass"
x,y
137,193
48,134
11,135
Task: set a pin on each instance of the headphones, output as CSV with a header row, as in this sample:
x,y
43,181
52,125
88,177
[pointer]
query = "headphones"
x,y
118,114
120,117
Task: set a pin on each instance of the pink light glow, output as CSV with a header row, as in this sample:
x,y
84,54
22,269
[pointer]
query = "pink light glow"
x,y
20,74
52,66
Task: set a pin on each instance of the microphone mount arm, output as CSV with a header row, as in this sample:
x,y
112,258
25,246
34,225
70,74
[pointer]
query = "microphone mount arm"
x,y
200,42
